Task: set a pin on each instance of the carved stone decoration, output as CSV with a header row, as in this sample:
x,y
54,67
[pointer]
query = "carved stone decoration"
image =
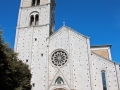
x,y
59,58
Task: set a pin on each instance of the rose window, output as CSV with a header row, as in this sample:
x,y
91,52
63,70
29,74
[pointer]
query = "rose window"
x,y
59,58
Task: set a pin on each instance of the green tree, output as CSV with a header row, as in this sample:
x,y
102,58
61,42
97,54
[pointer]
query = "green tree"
x,y
14,74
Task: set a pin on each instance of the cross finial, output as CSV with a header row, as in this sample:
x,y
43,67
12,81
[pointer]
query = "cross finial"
x,y
63,22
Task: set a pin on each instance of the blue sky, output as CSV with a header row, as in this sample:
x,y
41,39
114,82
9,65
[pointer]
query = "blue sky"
x,y
97,19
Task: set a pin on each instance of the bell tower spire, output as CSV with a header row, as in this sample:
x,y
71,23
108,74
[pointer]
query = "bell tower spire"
x,y
35,24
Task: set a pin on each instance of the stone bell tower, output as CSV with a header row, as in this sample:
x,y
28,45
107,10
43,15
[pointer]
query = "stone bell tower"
x,y
35,24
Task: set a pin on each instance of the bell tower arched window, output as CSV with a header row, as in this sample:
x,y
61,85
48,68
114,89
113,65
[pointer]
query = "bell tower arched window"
x,y
35,2
59,81
31,20
104,80
36,19
38,2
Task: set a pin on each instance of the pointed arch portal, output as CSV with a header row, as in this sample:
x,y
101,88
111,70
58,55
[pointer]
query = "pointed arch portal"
x,y
59,80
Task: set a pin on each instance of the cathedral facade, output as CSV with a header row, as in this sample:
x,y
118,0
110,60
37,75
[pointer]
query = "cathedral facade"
x,y
61,60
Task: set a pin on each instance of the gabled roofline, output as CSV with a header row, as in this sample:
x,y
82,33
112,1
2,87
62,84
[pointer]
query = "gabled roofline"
x,y
97,46
54,33
69,29
77,32
105,58
117,63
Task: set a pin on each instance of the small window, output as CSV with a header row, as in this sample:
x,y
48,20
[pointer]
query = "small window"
x,y
35,39
26,60
33,84
42,55
104,80
59,81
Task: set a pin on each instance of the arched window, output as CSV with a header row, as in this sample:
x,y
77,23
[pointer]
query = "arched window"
x,y
59,80
35,2
36,19
38,2
104,80
31,20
